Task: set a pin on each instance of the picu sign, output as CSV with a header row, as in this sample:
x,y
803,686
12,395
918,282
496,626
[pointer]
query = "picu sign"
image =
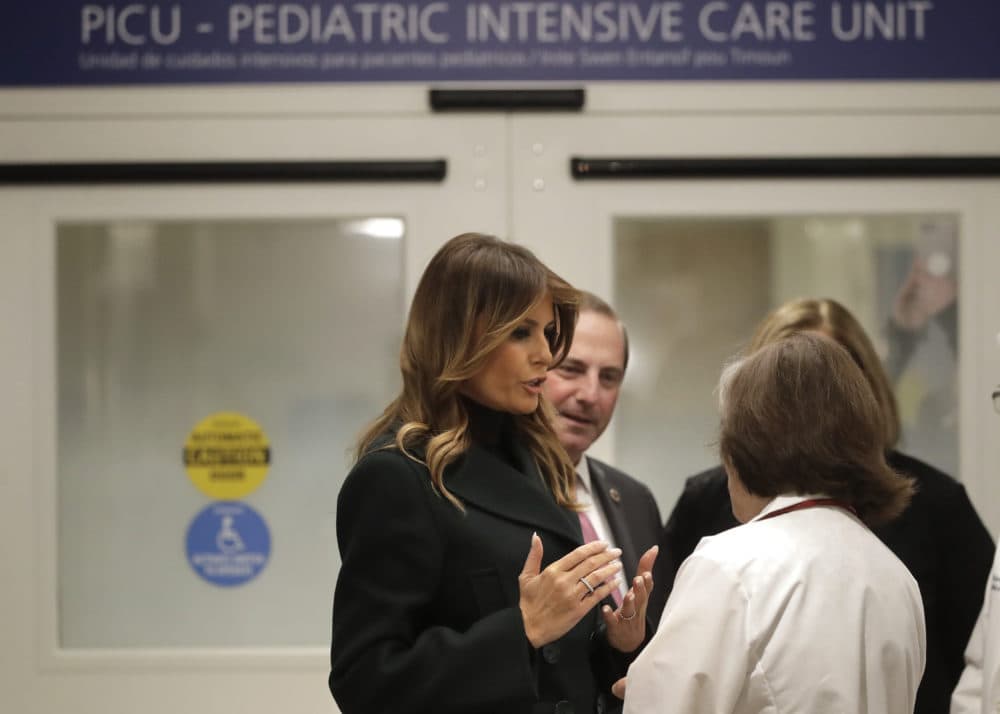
x,y
266,23
542,23
88,42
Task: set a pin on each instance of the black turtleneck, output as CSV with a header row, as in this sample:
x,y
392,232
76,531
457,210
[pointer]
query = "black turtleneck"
x,y
493,431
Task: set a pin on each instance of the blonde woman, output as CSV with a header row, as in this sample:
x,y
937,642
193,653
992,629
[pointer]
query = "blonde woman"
x,y
465,584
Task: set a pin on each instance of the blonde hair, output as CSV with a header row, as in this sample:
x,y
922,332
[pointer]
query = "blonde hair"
x,y
474,292
829,316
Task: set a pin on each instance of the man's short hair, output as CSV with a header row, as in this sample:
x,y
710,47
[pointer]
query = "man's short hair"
x,y
592,303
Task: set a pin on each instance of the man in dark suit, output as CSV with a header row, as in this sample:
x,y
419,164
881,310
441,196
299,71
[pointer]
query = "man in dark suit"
x,y
584,390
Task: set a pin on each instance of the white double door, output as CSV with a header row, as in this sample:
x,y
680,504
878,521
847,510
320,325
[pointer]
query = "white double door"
x,y
134,314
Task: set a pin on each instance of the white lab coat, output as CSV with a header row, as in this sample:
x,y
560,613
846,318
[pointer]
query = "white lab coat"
x,y
806,612
978,691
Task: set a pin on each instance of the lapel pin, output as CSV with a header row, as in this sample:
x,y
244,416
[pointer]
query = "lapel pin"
x,y
615,496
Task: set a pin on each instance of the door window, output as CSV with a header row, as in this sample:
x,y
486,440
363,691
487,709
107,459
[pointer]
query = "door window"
x,y
692,290
292,325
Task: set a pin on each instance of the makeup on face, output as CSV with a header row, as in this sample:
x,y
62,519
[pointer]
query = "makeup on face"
x,y
511,379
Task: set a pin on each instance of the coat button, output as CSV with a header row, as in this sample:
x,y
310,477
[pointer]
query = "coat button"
x,y
564,707
600,704
550,653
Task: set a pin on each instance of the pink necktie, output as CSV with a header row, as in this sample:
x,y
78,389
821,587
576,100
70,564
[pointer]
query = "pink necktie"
x,y
589,534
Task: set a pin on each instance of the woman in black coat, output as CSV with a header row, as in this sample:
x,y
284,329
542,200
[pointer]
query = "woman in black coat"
x,y
939,537
465,585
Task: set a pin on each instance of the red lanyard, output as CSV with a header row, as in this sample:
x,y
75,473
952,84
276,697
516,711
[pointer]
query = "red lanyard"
x,y
810,503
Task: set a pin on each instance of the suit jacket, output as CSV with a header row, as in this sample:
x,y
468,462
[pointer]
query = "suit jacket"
x,y
940,538
632,515
425,614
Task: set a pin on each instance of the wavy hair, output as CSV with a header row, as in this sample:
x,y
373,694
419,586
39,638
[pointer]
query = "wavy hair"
x,y
829,316
474,292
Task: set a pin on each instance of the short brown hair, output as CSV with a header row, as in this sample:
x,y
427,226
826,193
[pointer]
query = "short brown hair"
x,y
829,316
798,417
589,302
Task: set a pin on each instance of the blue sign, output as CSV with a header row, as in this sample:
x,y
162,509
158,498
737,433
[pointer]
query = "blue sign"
x,y
80,42
228,543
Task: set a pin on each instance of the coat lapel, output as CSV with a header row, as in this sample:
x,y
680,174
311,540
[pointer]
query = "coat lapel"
x,y
483,479
601,483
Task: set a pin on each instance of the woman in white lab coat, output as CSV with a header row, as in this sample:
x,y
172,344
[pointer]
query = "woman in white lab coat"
x,y
801,609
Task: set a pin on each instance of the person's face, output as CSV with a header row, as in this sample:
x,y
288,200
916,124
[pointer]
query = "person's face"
x,y
584,388
511,379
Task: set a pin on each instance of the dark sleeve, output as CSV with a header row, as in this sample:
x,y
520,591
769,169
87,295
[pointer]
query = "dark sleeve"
x,y
644,522
902,344
386,655
608,664
947,319
652,508
703,509
968,556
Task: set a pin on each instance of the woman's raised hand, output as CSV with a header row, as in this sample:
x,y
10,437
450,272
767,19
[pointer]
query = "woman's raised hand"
x,y
627,625
555,599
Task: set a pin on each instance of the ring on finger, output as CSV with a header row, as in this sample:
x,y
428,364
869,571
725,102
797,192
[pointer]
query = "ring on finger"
x,y
621,616
586,584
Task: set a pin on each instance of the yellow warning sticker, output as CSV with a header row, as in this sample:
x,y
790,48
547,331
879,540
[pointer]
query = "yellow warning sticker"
x,y
227,456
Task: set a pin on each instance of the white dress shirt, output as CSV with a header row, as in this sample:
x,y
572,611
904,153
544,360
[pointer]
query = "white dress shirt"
x,y
806,612
978,691
584,495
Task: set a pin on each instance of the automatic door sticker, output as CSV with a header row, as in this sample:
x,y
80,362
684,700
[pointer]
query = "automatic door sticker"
x,y
227,456
228,543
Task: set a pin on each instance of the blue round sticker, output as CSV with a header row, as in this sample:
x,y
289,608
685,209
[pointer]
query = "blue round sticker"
x,y
228,543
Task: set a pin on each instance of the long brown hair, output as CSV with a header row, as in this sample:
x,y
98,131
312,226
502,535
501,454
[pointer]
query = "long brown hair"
x,y
829,316
474,292
799,417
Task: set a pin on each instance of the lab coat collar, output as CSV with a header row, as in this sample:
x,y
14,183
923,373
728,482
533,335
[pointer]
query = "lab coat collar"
x,y
783,501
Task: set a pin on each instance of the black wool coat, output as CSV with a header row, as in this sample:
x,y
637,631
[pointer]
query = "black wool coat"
x,y
425,614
